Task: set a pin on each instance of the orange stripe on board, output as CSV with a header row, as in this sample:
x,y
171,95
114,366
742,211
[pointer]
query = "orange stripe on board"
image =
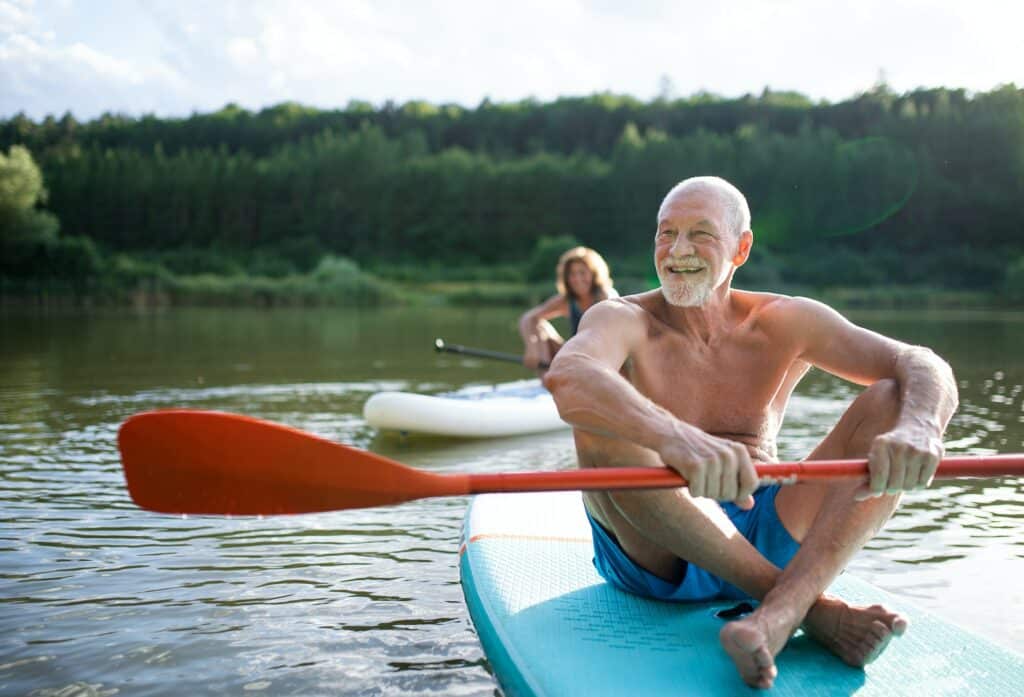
x,y
536,538
533,538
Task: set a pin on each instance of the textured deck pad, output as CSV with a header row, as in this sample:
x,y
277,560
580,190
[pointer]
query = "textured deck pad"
x,y
551,626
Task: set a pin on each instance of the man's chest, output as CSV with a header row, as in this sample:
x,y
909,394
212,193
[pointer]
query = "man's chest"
x,y
733,387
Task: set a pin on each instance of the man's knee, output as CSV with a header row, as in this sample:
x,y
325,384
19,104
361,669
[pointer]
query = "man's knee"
x,y
884,394
875,411
879,405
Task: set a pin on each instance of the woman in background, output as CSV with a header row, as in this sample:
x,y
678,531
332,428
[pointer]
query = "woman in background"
x,y
582,280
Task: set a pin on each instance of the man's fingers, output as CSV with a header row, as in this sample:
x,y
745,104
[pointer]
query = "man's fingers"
x,y
713,477
927,475
748,479
695,479
730,474
879,464
745,503
722,472
899,461
915,462
929,466
880,472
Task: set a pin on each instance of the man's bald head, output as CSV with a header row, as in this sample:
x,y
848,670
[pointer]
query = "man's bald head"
x,y
737,212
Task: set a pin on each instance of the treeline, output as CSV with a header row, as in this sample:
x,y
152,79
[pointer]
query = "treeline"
x,y
920,188
567,125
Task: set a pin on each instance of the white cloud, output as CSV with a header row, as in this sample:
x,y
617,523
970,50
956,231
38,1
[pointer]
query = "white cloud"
x,y
102,66
15,16
243,52
42,75
175,56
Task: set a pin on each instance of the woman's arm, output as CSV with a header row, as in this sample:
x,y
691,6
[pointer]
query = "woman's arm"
x,y
537,333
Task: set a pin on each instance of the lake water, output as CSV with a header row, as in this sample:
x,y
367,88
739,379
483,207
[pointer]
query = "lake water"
x,y
99,598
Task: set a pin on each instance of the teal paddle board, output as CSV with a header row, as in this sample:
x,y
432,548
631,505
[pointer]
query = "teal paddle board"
x,y
551,626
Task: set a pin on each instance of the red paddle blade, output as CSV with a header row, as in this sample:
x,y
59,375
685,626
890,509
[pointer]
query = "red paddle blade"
x,y
184,461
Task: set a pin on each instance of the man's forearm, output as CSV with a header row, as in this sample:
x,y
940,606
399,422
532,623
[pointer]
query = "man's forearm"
x,y
928,390
595,398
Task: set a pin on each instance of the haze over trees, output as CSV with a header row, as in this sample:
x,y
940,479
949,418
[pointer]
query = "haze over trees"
x,y
919,188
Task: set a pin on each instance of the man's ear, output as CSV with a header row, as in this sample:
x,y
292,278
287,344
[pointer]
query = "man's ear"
x,y
743,249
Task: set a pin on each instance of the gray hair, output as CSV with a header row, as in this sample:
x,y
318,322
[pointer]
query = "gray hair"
x,y
732,199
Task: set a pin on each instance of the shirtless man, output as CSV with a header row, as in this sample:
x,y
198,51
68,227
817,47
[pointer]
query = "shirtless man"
x,y
696,376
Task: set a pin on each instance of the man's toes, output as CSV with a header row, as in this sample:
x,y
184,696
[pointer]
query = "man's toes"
x,y
899,625
746,647
764,667
896,622
873,652
878,631
763,660
875,643
766,678
762,679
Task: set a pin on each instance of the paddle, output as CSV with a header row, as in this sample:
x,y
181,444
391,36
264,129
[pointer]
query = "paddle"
x,y
441,347
184,461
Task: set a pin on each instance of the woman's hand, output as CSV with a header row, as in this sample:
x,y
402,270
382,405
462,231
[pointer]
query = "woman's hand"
x,y
538,353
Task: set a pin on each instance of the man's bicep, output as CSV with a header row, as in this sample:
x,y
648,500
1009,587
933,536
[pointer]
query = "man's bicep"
x,y
840,347
605,334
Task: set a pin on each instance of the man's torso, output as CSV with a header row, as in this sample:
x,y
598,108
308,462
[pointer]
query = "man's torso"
x,y
736,386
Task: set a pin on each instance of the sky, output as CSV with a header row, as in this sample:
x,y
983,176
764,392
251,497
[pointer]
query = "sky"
x,y
176,57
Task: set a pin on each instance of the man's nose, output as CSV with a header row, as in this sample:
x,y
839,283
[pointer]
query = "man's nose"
x,y
682,246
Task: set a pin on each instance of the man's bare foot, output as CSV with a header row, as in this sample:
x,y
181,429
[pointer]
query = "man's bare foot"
x,y
753,643
857,635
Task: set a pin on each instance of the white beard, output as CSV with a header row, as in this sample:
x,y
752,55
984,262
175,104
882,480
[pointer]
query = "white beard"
x,y
682,290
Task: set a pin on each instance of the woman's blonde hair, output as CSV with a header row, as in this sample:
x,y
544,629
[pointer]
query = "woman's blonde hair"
x,y
593,261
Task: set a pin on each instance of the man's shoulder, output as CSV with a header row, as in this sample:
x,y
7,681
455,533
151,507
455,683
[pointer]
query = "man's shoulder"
x,y
620,310
643,302
782,311
774,301
633,304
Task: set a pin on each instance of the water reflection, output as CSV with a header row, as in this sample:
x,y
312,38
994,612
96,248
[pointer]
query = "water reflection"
x,y
97,595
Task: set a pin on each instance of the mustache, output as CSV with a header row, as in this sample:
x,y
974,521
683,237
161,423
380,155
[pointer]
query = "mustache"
x,y
689,260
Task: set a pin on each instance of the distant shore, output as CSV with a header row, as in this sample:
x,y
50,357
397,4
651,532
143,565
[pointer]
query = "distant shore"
x,y
348,288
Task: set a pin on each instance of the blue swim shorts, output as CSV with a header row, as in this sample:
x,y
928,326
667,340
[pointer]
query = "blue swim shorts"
x,y
760,525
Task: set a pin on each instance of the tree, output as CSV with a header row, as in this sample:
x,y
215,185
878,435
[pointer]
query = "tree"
x,y
29,246
21,188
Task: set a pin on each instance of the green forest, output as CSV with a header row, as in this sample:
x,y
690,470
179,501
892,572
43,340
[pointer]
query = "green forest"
x,y
884,197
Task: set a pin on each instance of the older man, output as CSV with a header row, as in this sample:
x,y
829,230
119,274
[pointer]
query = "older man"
x,y
696,376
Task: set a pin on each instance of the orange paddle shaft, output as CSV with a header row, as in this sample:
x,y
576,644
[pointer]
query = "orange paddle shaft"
x,y
782,472
185,461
